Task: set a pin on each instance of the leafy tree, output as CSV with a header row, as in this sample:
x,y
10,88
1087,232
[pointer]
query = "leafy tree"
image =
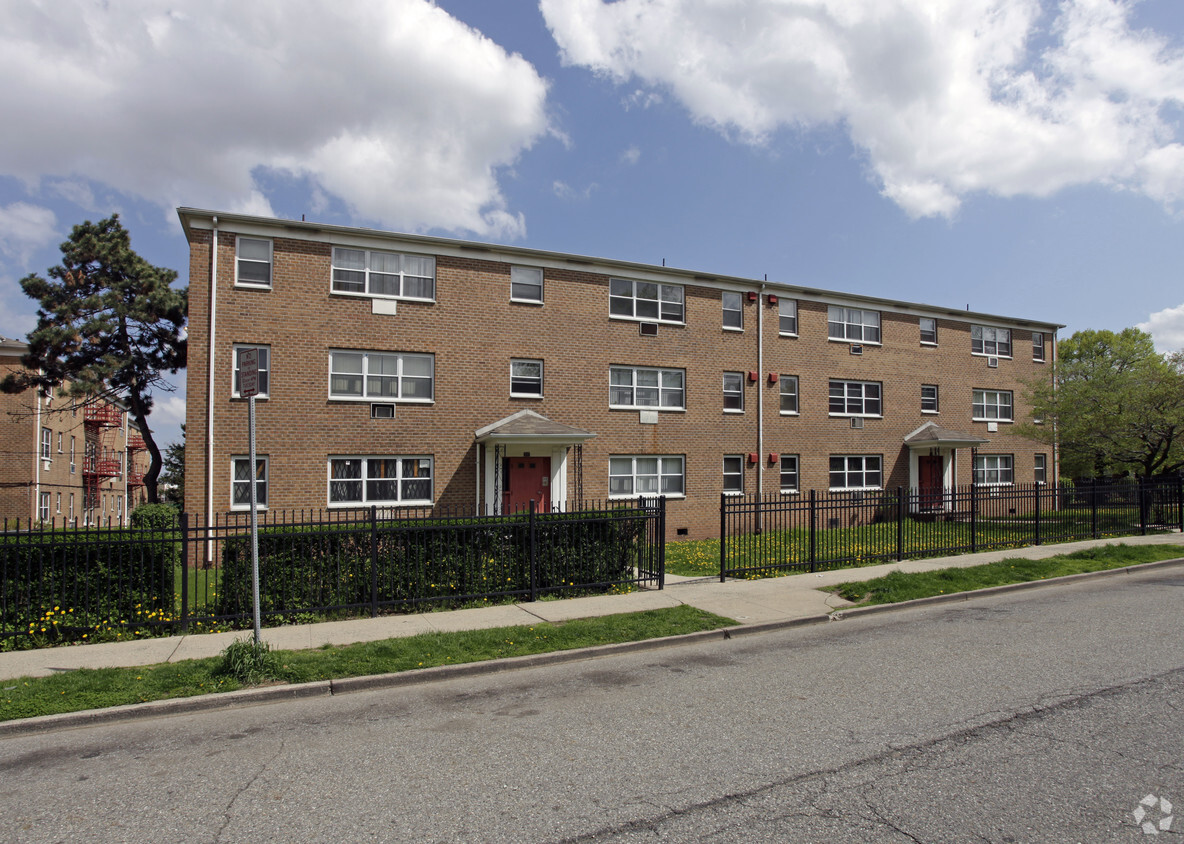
x,y
109,326
172,476
1114,404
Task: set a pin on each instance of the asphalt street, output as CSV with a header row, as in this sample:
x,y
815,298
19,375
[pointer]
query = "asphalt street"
x,y
1045,715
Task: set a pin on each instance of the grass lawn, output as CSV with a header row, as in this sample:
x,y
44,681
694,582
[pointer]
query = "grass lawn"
x,y
98,688
901,586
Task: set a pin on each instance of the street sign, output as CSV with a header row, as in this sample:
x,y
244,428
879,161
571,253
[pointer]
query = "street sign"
x,y
248,372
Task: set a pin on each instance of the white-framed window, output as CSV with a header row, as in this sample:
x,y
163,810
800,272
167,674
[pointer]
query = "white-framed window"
x,y
787,317
526,378
855,398
264,370
381,376
1040,468
992,406
733,392
386,479
856,471
928,331
387,275
734,474
993,469
646,474
789,473
645,300
71,511
58,503
992,342
733,304
526,284
46,443
59,442
789,395
853,324
73,465
643,387
43,507
240,481
1038,346
252,261
929,398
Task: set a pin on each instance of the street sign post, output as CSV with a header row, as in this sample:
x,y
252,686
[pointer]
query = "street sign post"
x,y
248,385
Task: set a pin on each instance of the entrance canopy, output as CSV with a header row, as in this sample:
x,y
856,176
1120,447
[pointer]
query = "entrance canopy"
x,y
525,457
932,435
526,426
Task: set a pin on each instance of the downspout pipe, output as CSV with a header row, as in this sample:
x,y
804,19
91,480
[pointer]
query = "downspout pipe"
x,y
37,457
211,381
760,401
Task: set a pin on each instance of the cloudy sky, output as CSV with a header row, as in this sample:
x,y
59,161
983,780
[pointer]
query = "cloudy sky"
x,y
1020,157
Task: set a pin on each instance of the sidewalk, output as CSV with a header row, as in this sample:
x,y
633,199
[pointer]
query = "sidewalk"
x,y
749,602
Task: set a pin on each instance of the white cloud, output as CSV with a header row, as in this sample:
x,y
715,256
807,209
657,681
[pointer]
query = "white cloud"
x,y
392,107
16,319
631,155
1166,328
24,228
565,191
946,99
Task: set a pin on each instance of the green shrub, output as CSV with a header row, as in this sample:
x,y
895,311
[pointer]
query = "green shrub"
x,y
154,517
249,663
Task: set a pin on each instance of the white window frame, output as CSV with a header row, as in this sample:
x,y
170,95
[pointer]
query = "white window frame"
x,y
733,309
666,468
366,375
851,469
986,402
58,504
367,272
991,342
264,369
46,443
73,465
733,474
517,283
239,281
733,387
1040,468
518,393
71,511
364,480
633,388
1038,347
43,503
853,325
263,482
994,470
932,330
792,382
856,395
794,461
616,297
59,442
787,309
936,398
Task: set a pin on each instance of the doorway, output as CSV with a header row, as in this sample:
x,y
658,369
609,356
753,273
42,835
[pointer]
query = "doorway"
x,y
526,478
929,471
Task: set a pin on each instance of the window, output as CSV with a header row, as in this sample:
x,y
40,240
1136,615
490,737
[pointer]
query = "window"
x,y
645,300
993,469
253,261
73,467
1041,468
630,476
526,284
855,471
380,480
264,370
71,511
734,474
853,324
929,398
789,473
526,378
733,310
58,503
787,317
59,442
43,507
928,331
240,483
391,275
992,405
381,376
789,395
855,398
993,342
734,392
639,387
1038,346
46,443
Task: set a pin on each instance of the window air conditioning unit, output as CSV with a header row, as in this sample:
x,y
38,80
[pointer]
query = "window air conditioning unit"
x,y
648,329
382,411
856,349
993,363
857,422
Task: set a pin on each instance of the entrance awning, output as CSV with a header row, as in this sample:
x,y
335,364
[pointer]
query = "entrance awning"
x,y
526,426
932,435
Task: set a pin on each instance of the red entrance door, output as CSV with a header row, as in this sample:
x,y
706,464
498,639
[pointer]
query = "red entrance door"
x,y
527,478
929,469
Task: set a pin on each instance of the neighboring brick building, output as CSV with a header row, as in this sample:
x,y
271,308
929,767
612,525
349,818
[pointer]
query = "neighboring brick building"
x,y
404,370
64,463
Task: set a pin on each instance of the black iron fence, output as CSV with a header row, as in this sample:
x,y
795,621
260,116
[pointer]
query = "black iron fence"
x,y
762,535
80,584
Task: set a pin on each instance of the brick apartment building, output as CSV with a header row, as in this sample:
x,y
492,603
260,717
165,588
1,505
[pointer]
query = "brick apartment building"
x,y
402,370
65,463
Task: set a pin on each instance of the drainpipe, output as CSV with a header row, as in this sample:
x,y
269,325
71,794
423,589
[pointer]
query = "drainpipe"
x,y
210,387
760,401
1056,439
37,456
477,485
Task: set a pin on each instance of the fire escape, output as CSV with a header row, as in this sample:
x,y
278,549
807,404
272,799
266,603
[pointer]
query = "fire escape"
x,y
135,445
101,462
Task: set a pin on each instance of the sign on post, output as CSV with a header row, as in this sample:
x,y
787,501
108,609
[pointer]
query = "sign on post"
x,y
248,387
248,372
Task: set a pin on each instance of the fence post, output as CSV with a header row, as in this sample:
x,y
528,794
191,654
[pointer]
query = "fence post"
x,y
899,523
723,535
534,571
1142,497
662,542
1093,508
973,517
1036,487
373,561
813,540
184,572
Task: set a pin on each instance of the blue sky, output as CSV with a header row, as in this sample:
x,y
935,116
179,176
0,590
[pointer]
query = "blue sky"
x,y
1018,157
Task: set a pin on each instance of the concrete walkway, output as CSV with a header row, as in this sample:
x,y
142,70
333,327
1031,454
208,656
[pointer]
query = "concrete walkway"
x,y
749,602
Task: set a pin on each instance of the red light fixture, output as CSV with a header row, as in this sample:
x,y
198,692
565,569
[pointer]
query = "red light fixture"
x,y
751,295
752,376
772,377
752,457
772,299
774,457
